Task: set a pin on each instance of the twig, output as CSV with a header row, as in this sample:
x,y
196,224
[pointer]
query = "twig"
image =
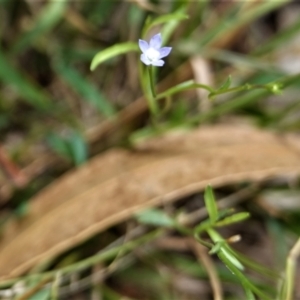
x,y
202,255
291,265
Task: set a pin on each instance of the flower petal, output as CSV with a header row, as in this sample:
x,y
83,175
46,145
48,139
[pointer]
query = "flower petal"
x,y
144,46
164,51
155,41
145,60
158,63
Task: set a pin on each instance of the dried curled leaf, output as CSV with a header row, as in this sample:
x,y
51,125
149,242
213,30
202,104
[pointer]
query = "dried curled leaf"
x,y
118,183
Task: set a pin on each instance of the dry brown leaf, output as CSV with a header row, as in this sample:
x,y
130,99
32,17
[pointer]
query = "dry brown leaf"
x,y
118,183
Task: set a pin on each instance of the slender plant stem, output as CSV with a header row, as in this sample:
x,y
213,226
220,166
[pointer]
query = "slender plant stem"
x,y
88,262
151,79
291,263
152,100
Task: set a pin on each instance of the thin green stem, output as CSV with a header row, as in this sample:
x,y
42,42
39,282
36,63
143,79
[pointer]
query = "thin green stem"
x,y
152,99
151,79
93,260
251,97
288,288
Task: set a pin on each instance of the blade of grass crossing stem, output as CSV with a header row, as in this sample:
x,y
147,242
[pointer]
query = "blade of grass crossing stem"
x,y
155,217
73,147
210,204
85,89
27,90
176,16
249,294
78,148
111,52
46,20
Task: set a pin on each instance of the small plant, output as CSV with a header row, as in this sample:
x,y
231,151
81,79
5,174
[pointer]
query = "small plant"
x,y
151,57
236,263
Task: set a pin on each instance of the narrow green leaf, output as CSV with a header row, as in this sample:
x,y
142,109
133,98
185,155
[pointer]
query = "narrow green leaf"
x,y
164,19
43,294
26,89
58,144
72,147
167,18
242,278
217,239
78,148
111,52
233,219
84,88
248,292
226,84
210,204
48,18
155,217
216,248
227,257
232,259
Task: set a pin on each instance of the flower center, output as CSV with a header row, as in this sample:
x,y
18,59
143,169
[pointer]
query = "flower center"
x,y
152,54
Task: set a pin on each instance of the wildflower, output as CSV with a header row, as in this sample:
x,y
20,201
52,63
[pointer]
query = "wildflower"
x,y
152,52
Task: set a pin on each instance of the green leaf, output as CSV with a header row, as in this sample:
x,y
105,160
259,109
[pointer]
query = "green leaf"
x,y
155,217
78,148
43,294
111,52
248,292
226,84
217,247
72,147
84,88
210,204
58,144
232,259
217,239
233,219
48,18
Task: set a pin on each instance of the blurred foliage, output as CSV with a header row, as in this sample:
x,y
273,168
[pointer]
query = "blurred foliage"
x,y
50,100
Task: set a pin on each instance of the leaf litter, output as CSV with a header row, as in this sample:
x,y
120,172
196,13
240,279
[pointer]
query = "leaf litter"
x,y
114,185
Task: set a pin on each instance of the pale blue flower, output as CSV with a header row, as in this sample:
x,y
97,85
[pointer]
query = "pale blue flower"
x,y
152,52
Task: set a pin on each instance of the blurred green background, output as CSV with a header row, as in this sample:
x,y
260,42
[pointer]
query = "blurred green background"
x,y
55,113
